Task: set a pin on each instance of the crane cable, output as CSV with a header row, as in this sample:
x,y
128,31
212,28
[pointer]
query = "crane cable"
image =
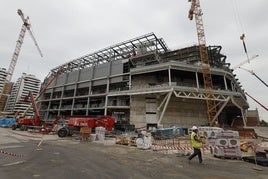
x,y
240,26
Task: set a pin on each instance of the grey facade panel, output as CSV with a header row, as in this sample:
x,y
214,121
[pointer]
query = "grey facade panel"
x,y
70,87
101,71
58,89
61,80
72,77
117,68
99,82
83,85
116,79
85,74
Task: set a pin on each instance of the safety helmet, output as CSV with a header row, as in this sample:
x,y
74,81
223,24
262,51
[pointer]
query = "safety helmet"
x,y
194,128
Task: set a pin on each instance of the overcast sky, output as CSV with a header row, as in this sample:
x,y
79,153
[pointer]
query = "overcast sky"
x,y
68,29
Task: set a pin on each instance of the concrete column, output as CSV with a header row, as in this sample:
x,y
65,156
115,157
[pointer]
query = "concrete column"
x,y
169,76
62,91
225,83
87,106
105,105
197,81
130,81
107,88
232,86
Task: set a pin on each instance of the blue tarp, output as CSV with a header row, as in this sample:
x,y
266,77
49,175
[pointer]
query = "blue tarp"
x,y
7,122
168,132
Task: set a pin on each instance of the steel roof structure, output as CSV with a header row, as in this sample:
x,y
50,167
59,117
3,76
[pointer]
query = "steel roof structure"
x,y
118,51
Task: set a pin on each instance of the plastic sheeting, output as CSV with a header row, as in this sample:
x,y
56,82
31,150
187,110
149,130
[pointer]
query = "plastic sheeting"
x,y
7,122
145,142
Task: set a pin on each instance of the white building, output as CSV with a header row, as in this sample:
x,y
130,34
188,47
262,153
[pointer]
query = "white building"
x,y
24,85
3,75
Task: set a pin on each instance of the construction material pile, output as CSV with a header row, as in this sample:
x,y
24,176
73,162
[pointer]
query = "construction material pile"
x,y
128,138
145,141
222,143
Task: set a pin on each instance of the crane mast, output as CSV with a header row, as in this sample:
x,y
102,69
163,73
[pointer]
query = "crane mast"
x,y
25,26
195,11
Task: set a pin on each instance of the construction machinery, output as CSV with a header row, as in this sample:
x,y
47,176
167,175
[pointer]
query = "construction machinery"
x,y
196,11
24,123
250,71
254,74
242,37
25,26
74,124
257,101
244,62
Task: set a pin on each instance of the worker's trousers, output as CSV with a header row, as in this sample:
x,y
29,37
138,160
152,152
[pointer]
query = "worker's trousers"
x,y
196,152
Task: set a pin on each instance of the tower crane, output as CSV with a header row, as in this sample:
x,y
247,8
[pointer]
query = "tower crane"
x,y
196,11
25,26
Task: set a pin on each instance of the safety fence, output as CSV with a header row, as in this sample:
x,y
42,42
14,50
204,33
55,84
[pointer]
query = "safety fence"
x,y
9,153
163,147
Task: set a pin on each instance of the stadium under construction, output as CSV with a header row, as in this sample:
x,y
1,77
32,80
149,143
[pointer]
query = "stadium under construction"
x,y
144,83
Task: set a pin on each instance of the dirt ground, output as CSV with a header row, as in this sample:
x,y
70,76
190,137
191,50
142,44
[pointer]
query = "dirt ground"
x,y
71,158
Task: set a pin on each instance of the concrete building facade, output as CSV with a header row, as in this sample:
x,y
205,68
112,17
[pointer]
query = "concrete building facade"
x,y
18,99
144,83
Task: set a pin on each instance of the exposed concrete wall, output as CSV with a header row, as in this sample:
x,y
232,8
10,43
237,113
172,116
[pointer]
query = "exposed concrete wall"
x,y
147,81
137,111
180,112
185,113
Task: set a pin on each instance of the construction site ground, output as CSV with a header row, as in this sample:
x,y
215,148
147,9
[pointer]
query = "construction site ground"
x,y
28,155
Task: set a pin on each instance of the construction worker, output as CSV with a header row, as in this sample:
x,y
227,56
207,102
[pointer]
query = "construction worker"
x,y
196,144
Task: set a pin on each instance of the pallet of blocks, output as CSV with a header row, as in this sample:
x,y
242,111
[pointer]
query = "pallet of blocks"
x,y
225,145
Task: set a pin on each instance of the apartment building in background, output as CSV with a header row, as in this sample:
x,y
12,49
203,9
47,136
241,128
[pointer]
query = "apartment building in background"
x,y
19,100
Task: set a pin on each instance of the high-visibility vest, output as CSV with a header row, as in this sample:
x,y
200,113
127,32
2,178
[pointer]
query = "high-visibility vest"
x,y
195,144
